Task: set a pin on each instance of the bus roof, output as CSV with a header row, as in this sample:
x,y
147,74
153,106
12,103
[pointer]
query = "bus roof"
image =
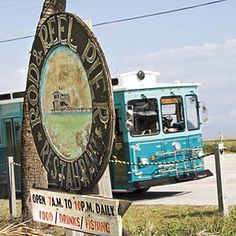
x,y
14,97
143,80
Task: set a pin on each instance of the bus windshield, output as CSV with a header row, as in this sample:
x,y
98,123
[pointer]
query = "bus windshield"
x,y
145,118
193,121
172,114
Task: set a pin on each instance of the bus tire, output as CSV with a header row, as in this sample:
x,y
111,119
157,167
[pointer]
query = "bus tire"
x,y
141,190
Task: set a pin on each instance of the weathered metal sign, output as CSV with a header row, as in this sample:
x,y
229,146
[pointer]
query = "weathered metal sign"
x,y
70,102
95,215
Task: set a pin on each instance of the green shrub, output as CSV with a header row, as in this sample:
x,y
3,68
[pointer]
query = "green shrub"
x,y
209,146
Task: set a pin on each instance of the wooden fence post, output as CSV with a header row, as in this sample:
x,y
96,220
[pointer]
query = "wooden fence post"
x,y
11,187
220,179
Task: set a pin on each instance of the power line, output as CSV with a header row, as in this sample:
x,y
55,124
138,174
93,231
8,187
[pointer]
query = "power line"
x,y
159,13
129,19
16,39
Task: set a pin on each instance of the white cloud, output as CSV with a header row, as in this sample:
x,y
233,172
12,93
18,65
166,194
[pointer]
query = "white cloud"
x,y
211,64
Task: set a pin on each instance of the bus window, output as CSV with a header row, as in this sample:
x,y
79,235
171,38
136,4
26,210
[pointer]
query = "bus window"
x,y
0,136
145,118
118,122
172,114
10,145
193,122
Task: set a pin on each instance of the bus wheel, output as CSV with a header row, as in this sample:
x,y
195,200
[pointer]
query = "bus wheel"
x,y
140,190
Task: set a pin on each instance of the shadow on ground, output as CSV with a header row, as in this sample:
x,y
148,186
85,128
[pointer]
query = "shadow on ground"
x,y
150,195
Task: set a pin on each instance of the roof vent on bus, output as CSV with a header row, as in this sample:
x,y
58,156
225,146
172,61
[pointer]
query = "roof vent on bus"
x,y
114,81
141,75
5,96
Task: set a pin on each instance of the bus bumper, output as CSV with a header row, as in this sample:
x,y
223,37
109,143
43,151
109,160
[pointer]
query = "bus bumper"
x,y
173,180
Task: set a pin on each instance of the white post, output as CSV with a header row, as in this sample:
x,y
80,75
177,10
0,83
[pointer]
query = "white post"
x,y
220,180
11,187
104,184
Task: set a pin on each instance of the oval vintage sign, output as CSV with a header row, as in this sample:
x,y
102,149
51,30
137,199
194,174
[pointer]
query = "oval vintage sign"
x,y
70,102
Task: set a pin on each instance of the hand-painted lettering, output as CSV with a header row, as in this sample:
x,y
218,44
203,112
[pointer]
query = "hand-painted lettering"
x,y
73,167
39,199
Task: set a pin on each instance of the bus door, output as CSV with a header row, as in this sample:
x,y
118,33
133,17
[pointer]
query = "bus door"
x,y
176,139
12,131
146,143
119,172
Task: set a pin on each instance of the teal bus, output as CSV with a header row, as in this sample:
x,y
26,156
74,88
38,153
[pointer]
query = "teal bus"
x,y
158,133
11,111
158,136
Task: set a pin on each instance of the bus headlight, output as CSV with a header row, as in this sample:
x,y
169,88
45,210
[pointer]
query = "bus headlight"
x,y
144,161
200,153
176,145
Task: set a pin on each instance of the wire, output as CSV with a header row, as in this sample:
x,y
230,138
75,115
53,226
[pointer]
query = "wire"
x,y
129,19
159,13
16,39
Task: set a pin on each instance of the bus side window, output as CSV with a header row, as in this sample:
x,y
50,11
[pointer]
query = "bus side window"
x,y
118,123
0,135
172,114
17,133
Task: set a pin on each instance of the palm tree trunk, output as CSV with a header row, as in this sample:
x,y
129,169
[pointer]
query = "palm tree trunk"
x,y
51,7
32,170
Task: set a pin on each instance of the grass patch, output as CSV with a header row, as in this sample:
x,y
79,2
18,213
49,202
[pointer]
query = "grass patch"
x,y
153,220
178,221
5,213
230,145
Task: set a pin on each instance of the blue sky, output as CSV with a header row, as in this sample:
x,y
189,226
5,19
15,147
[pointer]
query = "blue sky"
x,y
197,45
